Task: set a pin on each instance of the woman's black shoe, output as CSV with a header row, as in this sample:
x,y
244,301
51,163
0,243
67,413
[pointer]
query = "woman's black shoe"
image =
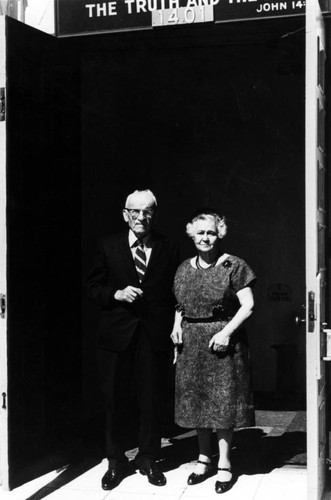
x,y
223,486
198,478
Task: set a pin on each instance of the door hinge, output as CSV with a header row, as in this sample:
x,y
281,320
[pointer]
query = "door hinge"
x,y
3,304
2,104
4,402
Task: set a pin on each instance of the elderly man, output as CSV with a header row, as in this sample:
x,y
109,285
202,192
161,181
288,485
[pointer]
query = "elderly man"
x,y
131,280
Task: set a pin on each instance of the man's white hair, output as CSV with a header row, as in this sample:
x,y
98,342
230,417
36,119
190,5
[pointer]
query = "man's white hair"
x,y
148,192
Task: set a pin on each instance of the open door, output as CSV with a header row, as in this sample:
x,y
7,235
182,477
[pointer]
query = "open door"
x,y
315,249
40,407
3,321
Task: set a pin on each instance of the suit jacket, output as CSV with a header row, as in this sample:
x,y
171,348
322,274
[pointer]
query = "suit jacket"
x,y
113,270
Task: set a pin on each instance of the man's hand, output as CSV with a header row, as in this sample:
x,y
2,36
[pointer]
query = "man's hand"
x,y
128,294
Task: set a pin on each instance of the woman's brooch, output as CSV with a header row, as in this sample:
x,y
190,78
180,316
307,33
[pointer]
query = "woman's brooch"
x,y
227,263
218,310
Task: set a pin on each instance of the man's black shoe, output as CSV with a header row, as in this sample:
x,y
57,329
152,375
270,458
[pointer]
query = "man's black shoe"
x,y
113,477
154,475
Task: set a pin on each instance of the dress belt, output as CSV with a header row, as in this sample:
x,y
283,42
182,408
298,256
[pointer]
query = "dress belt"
x,y
210,319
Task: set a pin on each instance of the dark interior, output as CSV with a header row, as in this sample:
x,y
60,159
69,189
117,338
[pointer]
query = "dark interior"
x,y
202,116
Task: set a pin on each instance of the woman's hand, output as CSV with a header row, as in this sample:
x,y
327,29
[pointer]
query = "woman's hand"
x,y
177,338
177,335
220,341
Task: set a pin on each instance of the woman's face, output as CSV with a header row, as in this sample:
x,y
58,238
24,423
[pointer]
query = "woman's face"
x,y
205,235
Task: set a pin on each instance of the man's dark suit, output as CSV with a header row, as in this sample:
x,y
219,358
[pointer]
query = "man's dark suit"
x,y
137,333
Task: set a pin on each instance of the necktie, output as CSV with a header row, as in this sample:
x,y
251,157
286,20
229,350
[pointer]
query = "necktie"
x,y
140,259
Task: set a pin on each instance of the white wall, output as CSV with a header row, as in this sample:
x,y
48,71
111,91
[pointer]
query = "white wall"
x,y
40,14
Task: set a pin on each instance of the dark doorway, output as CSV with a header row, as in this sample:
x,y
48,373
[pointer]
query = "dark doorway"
x,y
208,117
202,116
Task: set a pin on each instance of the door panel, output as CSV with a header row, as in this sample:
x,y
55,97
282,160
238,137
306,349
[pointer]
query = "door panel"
x,y
3,290
315,249
43,227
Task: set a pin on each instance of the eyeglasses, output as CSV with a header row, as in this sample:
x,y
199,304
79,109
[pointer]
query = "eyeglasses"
x,y
135,212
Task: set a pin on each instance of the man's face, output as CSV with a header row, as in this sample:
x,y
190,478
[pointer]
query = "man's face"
x,y
139,214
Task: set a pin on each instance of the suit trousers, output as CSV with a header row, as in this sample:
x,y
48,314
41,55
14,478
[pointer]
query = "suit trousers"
x,y
138,369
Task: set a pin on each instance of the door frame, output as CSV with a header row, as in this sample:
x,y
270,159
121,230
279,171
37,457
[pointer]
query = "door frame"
x,y
314,486
315,243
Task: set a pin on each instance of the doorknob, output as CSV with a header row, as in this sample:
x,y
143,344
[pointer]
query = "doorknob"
x,y
299,320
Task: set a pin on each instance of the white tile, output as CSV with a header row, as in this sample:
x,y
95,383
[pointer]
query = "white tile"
x,y
115,495
185,435
274,418
90,480
283,484
289,471
279,484
30,488
138,483
131,454
179,476
244,488
64,494
248,484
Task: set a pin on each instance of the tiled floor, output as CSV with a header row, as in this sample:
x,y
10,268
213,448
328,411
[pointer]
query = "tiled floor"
x,y
264,473
279,484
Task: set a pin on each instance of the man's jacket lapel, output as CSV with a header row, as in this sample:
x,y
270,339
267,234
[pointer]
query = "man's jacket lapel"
x,y
156,251
126,255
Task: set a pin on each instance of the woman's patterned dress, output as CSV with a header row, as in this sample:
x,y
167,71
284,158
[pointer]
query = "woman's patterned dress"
x,y
212,389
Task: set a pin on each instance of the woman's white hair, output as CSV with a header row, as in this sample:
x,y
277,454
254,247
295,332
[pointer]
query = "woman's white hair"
x,y
219,221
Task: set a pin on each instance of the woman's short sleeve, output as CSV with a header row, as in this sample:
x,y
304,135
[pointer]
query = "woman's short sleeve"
x,y
242,276
179,281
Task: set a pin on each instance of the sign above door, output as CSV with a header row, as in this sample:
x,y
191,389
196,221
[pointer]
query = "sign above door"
x,y
76,17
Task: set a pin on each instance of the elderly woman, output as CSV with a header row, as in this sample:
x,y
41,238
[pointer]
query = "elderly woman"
x,y
214,295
